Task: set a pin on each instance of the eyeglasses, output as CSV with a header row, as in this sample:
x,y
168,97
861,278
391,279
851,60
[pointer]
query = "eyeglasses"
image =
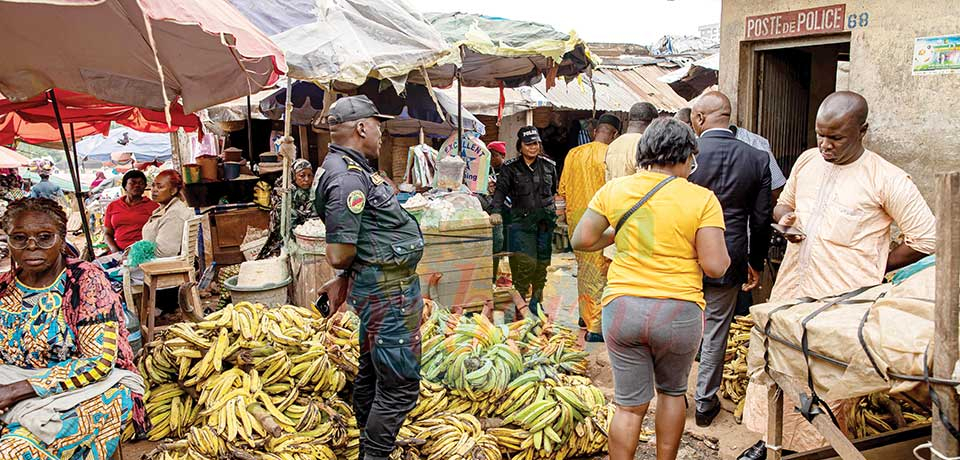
x,y
44,240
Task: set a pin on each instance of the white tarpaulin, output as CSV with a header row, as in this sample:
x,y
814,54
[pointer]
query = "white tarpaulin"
x,y
348,40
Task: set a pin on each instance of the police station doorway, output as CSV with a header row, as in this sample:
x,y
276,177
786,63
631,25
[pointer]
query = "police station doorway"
x,y
792,79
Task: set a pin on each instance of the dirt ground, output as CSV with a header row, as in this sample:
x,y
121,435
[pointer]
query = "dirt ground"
x,y
723,440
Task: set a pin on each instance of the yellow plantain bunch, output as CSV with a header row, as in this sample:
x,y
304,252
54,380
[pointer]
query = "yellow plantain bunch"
x,y
880,412
254,380
447,436
735,378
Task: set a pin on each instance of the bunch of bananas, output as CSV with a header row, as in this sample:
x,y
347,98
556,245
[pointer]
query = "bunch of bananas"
x,y
171,411
560,418
880,412
735,378
251,379
447,436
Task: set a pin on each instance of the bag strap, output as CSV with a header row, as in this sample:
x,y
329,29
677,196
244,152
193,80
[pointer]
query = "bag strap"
x,y
640,203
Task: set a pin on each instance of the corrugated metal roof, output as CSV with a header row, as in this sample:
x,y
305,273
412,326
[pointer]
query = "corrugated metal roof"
x,y
612,95
644,81
617,90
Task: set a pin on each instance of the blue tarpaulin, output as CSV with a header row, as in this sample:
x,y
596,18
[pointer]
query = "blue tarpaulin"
x,y
144,146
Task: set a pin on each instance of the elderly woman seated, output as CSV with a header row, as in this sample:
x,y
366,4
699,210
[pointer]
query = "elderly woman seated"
x,y
68,384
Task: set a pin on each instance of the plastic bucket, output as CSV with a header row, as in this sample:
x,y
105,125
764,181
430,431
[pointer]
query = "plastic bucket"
x,y
208,167
191,173
270,295
231,169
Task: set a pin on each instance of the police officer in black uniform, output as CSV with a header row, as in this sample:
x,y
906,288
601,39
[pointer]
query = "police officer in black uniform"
x,y
377,244
530,182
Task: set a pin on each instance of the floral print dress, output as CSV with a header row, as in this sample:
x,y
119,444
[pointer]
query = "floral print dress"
x,y
74,330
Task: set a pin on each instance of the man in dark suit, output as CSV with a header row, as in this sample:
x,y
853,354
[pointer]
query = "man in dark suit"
x,y
740,177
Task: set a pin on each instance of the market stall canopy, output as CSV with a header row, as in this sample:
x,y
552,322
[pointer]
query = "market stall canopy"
x,y
14,128
145,146
497,51
33,120
10,159
347,41
307,103
236,110
115,49
414,109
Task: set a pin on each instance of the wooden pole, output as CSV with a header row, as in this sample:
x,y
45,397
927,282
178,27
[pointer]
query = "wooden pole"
x,y
304,142
774,422
946,309
824,425
249,130
176,156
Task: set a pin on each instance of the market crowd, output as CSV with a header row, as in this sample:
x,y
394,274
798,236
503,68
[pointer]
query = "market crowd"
x,y
670,224
669,218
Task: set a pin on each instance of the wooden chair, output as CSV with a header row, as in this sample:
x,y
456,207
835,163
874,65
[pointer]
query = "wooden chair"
x,y
168,272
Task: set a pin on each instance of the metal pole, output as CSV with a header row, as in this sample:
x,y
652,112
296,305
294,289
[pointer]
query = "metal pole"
x,y
76,159
73,175
249,132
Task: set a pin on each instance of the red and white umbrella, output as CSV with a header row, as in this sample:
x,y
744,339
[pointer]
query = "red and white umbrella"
x,y
141,53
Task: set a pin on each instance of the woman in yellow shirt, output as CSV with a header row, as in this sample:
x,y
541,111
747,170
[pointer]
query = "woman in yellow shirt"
x,y
653,302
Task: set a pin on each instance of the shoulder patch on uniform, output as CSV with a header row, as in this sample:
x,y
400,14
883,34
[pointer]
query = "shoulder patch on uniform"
x,y
548,160
511,161
356,201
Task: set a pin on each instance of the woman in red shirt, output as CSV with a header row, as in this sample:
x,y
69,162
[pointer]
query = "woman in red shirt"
x,y
124,218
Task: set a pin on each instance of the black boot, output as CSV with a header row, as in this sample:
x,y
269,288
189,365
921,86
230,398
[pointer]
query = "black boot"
x,y
757,451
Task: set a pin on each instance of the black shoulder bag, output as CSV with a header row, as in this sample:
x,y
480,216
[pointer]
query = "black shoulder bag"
x,y
642,201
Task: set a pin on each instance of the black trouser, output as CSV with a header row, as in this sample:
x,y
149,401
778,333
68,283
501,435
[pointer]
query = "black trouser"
x,y
497,248
388,384
530,239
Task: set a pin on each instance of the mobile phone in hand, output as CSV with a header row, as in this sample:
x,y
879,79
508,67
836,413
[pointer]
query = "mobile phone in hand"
x,y
323,305
787,231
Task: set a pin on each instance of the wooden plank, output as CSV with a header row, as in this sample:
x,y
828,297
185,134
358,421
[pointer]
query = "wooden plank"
x,y
822,423
890,445
457,251
946,310
774,422
304,142
484,264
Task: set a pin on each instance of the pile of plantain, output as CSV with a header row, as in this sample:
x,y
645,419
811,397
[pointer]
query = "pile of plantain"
x,y
251,382
735,378
880,412
254,382
523,383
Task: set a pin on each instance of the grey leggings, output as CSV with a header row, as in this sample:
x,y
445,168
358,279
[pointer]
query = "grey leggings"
x,y
650,342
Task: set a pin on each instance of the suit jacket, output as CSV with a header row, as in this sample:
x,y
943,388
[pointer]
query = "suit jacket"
x,y
740,177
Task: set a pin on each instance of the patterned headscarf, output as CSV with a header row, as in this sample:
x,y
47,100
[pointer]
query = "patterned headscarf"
x,y
299,165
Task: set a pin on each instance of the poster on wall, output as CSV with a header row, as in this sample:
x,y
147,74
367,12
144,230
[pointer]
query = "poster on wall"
x,y
936,55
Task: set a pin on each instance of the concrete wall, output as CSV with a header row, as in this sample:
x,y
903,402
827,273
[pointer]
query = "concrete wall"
x,y
914,120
